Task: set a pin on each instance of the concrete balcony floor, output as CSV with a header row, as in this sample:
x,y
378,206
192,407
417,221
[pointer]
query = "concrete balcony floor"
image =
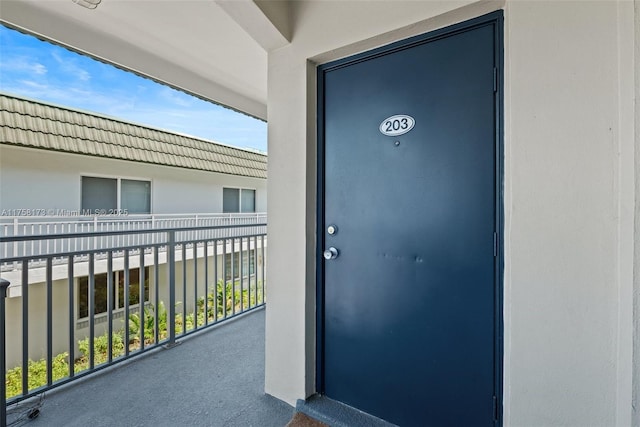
x,y
213,378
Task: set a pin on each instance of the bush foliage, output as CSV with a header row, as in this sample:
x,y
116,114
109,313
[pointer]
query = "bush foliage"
x,y
223,303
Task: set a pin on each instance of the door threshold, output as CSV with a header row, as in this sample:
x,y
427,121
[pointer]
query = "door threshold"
x,y
337,414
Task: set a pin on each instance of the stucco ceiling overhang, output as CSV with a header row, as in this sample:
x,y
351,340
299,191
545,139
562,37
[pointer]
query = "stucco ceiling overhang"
x,y
213,49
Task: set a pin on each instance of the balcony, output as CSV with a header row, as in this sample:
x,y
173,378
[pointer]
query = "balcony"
x,y
117,296
214,378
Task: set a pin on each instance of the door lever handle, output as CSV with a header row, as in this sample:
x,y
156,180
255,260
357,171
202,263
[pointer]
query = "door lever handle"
x,y
331,253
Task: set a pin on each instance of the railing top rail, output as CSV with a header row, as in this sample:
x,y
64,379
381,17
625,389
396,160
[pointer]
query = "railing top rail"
x,y
124,232
133,247
66,218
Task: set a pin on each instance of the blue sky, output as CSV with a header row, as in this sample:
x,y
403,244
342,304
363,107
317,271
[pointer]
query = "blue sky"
x,y
43,71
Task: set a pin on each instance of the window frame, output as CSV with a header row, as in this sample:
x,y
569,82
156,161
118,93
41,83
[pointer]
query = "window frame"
x,y
119,180
115,298
240,190
234,264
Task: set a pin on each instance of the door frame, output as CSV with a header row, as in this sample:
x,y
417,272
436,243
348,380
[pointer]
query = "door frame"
x,y
497,20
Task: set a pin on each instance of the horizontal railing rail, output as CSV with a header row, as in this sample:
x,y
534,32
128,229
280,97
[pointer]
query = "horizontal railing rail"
x,y
165,284
36,247
39,217
17,230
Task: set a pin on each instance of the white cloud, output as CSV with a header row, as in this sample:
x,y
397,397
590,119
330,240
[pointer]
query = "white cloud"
x,y
39,69
34,85
69,66
174,97
23,65
83,75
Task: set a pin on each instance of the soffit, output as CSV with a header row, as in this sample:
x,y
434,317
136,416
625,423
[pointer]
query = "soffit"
x,y
193,45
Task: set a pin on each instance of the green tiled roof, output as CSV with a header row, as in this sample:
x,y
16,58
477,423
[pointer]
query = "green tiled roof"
x,y
33,124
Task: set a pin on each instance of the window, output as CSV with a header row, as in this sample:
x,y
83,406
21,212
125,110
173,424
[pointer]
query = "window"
x,y
248,264
100,295
135,196
134,286
248,200
117,298
230,200
100,195
238,200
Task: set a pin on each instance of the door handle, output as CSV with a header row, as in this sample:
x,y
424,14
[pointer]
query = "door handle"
x,y
331,253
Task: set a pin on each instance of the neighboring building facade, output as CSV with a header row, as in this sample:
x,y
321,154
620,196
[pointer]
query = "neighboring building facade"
x,y
64,171
72,161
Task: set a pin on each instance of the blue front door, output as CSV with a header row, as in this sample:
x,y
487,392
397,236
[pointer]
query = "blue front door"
x,y
410,176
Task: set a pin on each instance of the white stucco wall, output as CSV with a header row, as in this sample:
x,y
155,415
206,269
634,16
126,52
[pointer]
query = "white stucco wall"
x,y
636,275
53,181
563,195
569,196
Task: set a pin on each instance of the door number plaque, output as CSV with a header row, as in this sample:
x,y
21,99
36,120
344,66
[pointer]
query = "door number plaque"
x,y
397,125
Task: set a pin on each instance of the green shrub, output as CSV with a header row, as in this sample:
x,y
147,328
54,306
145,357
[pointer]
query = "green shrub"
x,y
37,374
100,349
220,304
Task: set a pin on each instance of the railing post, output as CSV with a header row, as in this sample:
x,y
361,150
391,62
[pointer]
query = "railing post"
x,y
4,285
95,230
15,244
171,254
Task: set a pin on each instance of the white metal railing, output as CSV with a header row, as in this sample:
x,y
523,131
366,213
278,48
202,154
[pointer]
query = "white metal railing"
x,y
67,226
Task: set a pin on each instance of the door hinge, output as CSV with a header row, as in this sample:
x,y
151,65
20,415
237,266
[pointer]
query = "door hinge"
x,y
495,244
495,79
495,408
